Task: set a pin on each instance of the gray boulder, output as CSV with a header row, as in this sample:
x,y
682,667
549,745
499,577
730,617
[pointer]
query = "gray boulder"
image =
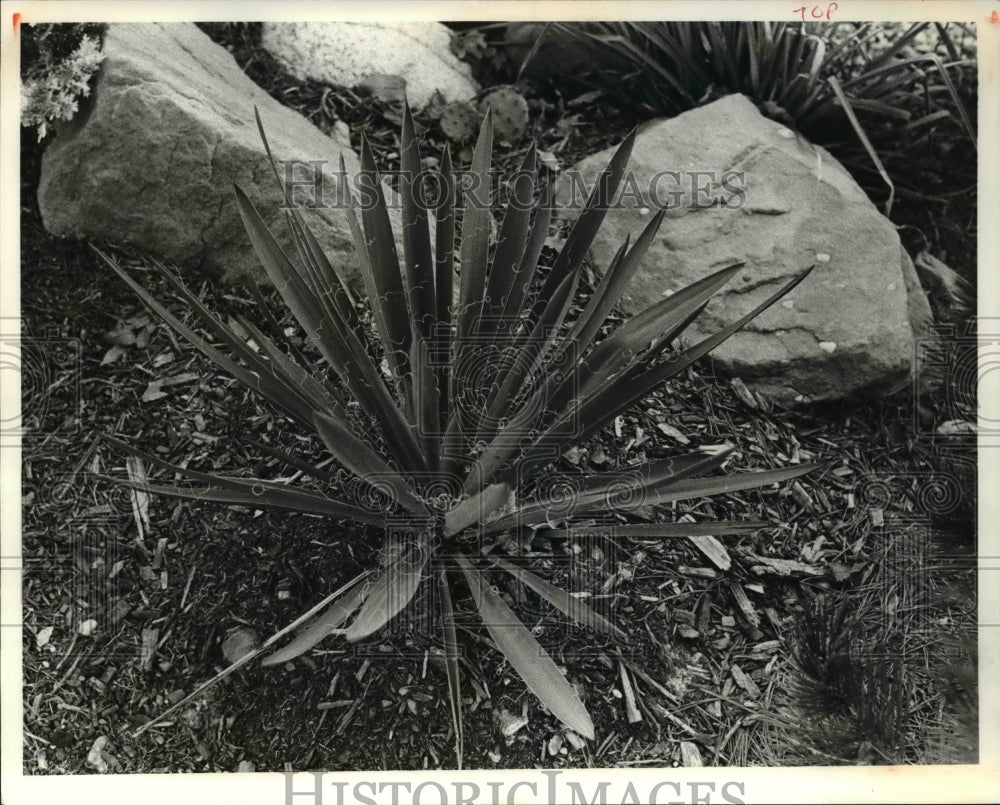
x,y
151,162
740,187
354,53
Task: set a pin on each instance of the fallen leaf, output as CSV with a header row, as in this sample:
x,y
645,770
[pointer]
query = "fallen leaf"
x,y
672,432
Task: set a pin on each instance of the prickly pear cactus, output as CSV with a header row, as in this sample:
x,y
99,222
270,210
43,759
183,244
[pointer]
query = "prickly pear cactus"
x,y
510,113
459,121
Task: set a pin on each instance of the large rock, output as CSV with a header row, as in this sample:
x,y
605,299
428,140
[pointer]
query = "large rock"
x,y
151,162
351,53
781,206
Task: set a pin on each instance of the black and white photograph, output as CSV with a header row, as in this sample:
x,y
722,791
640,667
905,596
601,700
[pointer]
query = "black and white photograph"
x,y
499,402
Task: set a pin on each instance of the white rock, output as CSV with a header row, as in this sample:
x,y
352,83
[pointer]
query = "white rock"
x,y
827,346
347,53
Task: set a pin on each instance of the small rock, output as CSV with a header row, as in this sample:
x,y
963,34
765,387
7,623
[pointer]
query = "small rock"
x,y
43,636
95,757
239,643
510,724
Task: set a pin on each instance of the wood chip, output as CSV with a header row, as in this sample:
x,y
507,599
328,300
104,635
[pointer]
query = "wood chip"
x,y
767,648
631,710
690,756
714,551
95,757
239,643
802,497
772,565
140,499
672,432
150,638
703,614
744,681
740,597
510,723
745,395
700,572
161,548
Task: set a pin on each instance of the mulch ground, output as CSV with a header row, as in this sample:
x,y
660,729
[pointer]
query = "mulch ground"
x,y
844,634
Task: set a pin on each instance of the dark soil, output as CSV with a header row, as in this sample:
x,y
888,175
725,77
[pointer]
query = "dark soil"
x,y
870,660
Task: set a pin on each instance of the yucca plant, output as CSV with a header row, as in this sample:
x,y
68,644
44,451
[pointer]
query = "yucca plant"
x,y
397,403
873,103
